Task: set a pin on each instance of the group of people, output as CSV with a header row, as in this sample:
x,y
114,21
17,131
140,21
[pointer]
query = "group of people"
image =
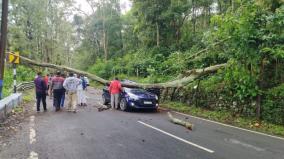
x,y
57,86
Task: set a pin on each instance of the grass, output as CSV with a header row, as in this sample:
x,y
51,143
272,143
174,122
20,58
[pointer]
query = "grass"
x,y
227,118
28,96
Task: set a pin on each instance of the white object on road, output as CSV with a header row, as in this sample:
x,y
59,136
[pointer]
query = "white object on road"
x,y
33,155
176,137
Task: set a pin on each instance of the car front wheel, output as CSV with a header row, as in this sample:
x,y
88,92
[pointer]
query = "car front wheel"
x,y
123,105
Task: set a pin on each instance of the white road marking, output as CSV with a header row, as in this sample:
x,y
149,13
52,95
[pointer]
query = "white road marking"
x,y
32,136
32,130
32,119
176,137
237,142
33,155
226,125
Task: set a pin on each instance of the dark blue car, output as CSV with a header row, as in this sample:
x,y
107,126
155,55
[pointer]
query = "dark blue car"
x,y
133,98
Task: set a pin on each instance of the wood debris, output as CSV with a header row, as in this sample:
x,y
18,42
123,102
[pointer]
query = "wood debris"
x,y
180,122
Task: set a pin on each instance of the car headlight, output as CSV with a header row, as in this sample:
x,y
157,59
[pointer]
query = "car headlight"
x,y
134,97
157,98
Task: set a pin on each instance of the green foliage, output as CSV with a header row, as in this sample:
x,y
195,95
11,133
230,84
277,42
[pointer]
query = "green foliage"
x,y
273,107
24,74
240,83
102,69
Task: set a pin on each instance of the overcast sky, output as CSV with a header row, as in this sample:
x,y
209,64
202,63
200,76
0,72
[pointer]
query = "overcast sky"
x,y
124,4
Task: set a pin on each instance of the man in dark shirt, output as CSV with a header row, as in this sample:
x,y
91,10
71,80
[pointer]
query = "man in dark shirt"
x,y
41,90
58,90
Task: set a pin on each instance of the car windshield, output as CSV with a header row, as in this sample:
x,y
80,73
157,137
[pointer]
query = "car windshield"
x,y
134,90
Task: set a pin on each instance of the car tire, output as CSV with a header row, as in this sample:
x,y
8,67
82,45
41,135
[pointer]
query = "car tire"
x,y
104,100
123,105
155,110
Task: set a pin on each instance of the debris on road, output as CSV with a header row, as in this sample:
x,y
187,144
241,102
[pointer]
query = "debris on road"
x,y
102,108
180,122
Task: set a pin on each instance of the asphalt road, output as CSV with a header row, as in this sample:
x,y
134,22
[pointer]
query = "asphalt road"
x,y
113,134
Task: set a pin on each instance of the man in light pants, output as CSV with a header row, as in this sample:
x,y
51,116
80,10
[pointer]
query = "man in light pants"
x,y
114,90
71,84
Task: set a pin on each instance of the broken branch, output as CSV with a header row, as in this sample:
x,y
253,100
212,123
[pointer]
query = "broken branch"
x,y
180,122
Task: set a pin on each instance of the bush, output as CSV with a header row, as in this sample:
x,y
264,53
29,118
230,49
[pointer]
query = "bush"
x,y
273,105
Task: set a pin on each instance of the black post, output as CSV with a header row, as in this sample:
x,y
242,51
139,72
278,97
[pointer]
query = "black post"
x,y
3,39
15,77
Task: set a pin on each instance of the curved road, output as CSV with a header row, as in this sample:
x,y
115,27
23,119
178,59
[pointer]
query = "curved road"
x,y
113,134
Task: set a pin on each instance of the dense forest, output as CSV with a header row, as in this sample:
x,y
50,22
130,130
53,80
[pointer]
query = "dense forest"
x,y
159,40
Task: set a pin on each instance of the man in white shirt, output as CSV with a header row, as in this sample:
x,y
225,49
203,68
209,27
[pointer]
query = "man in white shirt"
x,y
71,84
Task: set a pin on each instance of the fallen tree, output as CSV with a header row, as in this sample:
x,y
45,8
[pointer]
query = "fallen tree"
x,y
190,77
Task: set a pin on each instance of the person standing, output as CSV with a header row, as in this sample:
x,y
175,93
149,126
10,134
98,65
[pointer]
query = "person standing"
x,y
57,89
46,77
71,85
63,95
82,101
41,89
115,90
49,85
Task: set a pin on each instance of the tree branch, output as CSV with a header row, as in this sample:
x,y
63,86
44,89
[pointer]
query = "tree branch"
x,y
206,49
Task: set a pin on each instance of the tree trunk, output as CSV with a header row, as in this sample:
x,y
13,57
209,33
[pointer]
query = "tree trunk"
x,y
105,42
220,6
164,94
259,97
232,4
173,94
193,16
158,34
104,35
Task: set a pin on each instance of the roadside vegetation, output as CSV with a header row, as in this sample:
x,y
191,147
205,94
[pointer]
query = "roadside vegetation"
x,y
24,74
158,41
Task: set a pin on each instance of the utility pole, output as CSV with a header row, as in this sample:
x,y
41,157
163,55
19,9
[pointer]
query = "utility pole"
x,y
3,39
15,77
